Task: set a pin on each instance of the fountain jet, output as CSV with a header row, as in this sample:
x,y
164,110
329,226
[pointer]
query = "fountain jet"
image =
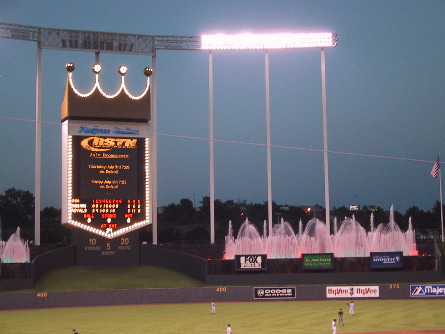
x,y
350,240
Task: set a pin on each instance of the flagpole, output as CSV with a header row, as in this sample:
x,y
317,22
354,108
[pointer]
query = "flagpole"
x,y
441,202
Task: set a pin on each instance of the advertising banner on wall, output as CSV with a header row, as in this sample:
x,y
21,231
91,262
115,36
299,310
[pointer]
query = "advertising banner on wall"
x,y
274,293
386,260
320,261
352,292
427,290
250,262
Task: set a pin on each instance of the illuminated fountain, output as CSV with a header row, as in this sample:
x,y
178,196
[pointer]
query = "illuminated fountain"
x,y
15,250
248,241
282,243
315,239
350,240
390,238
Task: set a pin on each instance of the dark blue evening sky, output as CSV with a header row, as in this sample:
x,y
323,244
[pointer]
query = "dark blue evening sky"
x,y
385,98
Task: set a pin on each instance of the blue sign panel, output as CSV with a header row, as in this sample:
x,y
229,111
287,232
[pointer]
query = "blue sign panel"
x,y
424,290
386,260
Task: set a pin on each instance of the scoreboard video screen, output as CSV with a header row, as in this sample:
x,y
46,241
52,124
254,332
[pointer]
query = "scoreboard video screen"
x,y
108,183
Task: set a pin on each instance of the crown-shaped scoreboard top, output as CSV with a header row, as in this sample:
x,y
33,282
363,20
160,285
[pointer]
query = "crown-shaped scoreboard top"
x,y
97,105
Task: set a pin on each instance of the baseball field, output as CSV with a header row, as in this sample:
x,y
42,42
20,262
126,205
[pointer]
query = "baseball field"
x,y
262,317
371,316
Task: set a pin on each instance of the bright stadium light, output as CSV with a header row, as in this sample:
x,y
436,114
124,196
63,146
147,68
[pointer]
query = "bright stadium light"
x,y
268,41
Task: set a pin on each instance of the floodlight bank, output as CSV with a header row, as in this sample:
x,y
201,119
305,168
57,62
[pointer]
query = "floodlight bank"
x,y
268,41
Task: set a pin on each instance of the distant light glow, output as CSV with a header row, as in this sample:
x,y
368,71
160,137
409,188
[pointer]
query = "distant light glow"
x,y
70,67
268,41
96,68
148,71
122,69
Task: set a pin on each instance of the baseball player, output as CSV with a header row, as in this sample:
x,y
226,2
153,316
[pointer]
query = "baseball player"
x,y
351,308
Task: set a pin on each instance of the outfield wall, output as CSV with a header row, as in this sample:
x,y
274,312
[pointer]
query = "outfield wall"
x,y
188,264
226,288
289,271
10,301
17,276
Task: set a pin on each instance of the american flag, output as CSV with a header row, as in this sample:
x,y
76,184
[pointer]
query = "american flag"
x,y
435,169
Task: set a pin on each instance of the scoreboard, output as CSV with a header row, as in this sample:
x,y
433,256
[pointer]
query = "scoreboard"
x,y
107,178
106,184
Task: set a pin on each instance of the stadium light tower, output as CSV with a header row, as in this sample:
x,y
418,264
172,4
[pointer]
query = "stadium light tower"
x,y
268,42
137,44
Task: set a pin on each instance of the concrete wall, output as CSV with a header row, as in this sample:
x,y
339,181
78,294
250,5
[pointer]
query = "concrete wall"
x,y
18,276
58,258
289,271
280,271
186,263
324,278
237,286
177,295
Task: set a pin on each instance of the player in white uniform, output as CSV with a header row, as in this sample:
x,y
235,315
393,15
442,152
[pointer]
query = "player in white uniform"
x,y
213,310
351,308
334,326
228,330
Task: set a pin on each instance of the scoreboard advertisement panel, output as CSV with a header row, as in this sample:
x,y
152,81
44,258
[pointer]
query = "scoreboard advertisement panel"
x,y
107,179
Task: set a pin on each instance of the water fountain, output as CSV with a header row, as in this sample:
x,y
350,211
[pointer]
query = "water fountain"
x,y
350,240
282,243
15,250
390,238
315,239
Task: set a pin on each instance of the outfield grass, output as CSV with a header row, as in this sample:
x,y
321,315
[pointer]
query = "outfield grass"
x,y
246,317
77,278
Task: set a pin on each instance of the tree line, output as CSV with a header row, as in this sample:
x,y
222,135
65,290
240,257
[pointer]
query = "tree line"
x,y
184,222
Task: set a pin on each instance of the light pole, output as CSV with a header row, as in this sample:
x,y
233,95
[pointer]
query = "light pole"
x,y
269,42
325,141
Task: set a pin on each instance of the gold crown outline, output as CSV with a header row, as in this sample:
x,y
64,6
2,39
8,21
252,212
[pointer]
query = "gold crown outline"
x,y
96,69
98,105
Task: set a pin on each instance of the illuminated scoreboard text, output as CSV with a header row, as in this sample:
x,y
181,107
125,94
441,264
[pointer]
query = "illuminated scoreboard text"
x,y
109,184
